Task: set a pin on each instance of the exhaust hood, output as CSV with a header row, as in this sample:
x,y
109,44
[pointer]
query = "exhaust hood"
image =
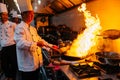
x,y
58,6
49,6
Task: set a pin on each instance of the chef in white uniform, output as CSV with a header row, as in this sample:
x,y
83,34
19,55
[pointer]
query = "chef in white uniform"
x,y
28,43
8,56
15,17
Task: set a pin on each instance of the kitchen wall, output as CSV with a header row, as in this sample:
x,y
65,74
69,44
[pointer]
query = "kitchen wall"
x,y
108,11
72,18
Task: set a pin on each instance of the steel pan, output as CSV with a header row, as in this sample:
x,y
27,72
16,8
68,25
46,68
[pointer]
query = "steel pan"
x,y
110,58
70,58
111,34
73,58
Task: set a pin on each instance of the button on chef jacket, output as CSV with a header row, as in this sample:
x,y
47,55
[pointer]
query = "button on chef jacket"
x,y
28,53
7,33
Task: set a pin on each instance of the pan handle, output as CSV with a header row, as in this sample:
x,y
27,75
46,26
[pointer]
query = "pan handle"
x,y
54,48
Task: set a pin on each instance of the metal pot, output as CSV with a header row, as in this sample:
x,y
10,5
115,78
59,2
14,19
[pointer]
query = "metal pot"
x,y
110,58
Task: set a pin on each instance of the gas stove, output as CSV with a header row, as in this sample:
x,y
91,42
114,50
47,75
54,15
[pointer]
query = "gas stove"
x,y
96,70
84,71
108,69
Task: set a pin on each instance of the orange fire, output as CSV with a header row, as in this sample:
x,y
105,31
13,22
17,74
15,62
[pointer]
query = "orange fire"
x,y
86,43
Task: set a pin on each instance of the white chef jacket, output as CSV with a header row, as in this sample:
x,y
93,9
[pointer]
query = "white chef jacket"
x,y
28,53
7,33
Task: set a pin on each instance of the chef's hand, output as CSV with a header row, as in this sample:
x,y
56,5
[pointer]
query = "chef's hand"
x,y
41,43
55,46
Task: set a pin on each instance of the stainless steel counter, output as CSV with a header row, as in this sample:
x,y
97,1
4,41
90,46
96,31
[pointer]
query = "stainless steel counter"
x,y
72,76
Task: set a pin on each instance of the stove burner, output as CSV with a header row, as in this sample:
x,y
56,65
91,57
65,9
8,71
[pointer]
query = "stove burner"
x,y
84,71
108,69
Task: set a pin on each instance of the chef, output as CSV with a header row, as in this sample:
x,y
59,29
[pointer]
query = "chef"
x,y
8,52
29,44
15,17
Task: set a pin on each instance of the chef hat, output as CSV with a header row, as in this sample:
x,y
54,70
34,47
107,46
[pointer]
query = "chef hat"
x,y
25,5
14,14
3,8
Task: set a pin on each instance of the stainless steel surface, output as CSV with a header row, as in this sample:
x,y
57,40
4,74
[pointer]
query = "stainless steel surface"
x,y
54,6
72,76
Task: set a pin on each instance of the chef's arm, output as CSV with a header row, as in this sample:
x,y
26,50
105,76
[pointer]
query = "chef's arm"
x,y
42,43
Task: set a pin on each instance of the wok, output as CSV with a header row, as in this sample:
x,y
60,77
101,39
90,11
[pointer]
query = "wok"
x,y
110,58
111,34
66,57
70,58
73,58
63,55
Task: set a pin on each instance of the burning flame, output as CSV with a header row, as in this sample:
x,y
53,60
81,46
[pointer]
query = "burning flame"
x,y
86,42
